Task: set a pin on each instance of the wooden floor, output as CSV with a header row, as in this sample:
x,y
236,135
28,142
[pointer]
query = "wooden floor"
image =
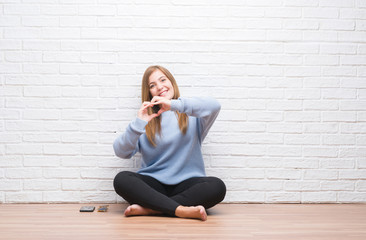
x,y
225,221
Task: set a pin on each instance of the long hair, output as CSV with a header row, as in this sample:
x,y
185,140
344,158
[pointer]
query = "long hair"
x,y
154,126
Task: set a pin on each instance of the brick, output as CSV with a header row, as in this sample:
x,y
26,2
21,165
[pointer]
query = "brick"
x,y
339,93
305,48
62,197
283,174
42,91
283,197
284,127
97,150
320,174
79,185
10,185
259,24
59,10
353,60
10,44
265,185
10,21
321,60
335,3
301,24
28,149
361,186
320,152
267,3
22,33
280,35
339,71
301,3
351,36
80,45
301,185
360,25
352,152
301,163
98,173
288,151
82,69
10,115
265,138
99,58
302,71
246,196
41,114
329,13
343,25
302,116
284,60
353,128
265,116
23,56
302,139
337,186
361,140
90,92
320,105
10,138
98,33
339,139
339,48
61,149
353,105
108,197
78,21
351,197
21,9
61,57
339,116
352,174
41,45
10,68
40,21
41,137
246,174
318,197
46,185
24,197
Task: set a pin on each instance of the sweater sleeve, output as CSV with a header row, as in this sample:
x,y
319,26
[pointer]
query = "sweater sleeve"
x,y
206,109
126,145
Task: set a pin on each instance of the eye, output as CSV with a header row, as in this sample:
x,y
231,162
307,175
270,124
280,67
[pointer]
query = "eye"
x,y
151,86
163,80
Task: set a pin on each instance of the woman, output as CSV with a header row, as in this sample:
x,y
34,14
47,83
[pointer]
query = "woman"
x,y
168,132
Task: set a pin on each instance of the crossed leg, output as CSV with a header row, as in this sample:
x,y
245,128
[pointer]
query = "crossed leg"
x,y
188,199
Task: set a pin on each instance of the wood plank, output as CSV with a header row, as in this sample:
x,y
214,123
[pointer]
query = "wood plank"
x,y
225,221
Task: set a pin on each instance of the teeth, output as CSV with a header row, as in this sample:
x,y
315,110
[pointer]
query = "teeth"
x,y
162,93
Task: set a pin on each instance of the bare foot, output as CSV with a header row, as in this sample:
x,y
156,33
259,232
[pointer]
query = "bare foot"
x,y
197,212
137,210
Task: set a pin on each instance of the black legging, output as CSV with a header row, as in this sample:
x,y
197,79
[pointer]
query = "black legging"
x,y
148,192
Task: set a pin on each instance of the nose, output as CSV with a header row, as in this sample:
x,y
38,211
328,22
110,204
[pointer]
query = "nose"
x,y
159,86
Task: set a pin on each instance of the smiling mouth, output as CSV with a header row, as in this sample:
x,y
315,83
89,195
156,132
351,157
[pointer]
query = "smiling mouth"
x,y
163,93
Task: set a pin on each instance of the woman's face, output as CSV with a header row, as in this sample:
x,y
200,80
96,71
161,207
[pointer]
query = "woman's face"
x,y
160,85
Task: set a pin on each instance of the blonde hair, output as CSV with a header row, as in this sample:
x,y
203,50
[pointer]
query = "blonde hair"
x,y
154,126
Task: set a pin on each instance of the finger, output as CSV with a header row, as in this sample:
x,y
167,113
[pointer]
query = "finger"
x,y
156,99
146,104
154,115
161,111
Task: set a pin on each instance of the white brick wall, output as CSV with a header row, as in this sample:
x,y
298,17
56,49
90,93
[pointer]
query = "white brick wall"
x,y
290,75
